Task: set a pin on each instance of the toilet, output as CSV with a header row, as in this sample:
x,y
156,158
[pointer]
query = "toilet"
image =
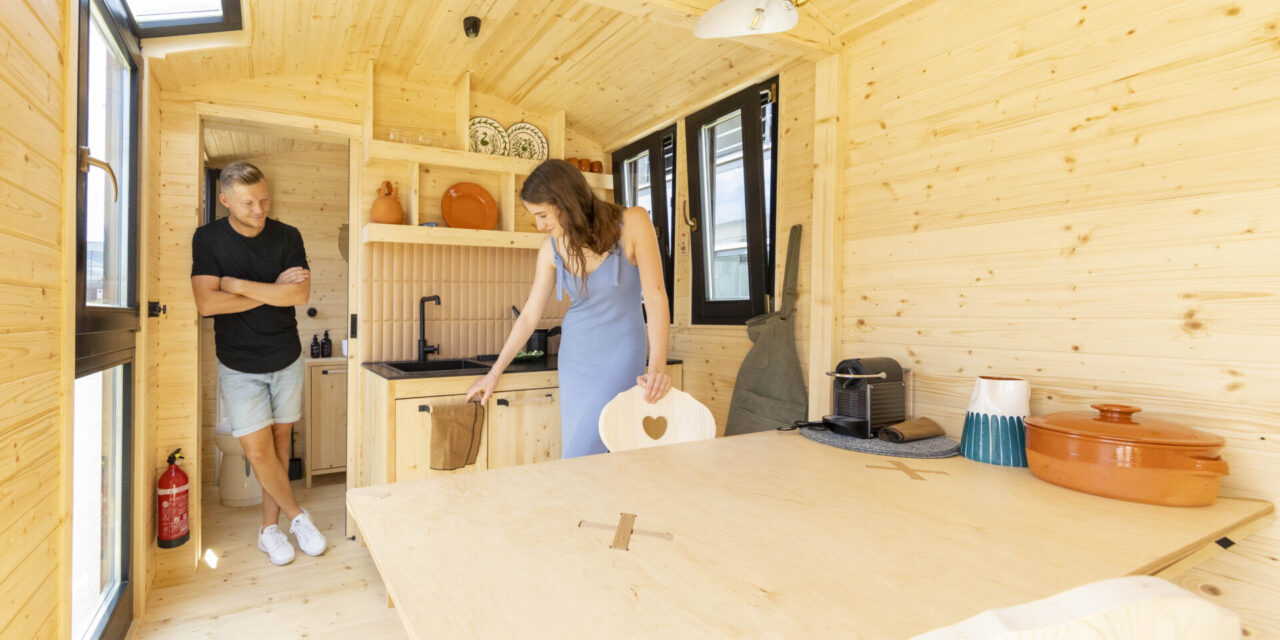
x,y
237,486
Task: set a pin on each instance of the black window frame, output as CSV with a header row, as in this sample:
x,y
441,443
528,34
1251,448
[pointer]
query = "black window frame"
x,y
761,212
106,337
98,329
230,20
660,144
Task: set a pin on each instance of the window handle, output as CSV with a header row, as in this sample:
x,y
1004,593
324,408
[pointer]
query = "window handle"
x,y
86,160
692,222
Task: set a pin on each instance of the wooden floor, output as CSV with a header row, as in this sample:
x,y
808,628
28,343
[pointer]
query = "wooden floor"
x,y
336,595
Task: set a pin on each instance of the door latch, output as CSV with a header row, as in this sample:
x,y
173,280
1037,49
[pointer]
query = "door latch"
x,y
155,309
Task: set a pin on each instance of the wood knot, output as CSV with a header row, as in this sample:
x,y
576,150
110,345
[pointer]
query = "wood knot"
x,y
1211,590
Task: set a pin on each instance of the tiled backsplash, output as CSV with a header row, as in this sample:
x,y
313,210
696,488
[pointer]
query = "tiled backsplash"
x,y
477,287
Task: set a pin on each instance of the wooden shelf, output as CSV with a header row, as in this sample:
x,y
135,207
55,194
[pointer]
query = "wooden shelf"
x,y
404,234
421,154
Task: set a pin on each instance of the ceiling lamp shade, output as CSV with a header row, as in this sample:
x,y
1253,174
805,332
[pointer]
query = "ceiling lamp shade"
x,y
746,17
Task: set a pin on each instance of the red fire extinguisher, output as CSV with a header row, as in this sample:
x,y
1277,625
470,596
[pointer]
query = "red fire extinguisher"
x,y
171,500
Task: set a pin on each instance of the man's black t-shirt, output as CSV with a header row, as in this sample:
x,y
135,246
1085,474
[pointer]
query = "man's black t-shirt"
x,y
263,339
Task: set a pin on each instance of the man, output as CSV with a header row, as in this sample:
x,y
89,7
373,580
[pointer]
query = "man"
x,y
248,271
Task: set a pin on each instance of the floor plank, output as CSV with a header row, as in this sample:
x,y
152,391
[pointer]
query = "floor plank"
x,y
336,595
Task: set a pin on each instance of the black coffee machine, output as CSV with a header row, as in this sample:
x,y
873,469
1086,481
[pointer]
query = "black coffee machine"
x,y
866,394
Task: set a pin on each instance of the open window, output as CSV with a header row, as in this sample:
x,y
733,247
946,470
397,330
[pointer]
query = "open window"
x,y
732,185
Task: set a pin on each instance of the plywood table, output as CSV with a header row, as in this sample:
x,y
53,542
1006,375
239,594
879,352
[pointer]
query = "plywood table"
x,y
761,535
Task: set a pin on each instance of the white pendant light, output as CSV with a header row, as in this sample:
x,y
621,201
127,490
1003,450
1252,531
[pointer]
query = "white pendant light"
x,y
746,17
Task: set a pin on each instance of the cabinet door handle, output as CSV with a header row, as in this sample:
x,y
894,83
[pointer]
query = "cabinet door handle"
x,y
503,402
327,371
424,408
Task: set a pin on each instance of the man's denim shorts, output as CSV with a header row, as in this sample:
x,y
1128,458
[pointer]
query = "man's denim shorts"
x,y
252,401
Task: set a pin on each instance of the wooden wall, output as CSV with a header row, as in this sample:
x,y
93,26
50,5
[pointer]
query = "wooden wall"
x,y
309,192
711,353
1084,195
33,51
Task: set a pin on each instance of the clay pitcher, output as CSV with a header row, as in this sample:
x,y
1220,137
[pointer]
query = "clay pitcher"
x,y
386,208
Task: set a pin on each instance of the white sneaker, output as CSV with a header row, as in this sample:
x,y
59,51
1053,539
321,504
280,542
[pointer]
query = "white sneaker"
x,y
275,544
310,540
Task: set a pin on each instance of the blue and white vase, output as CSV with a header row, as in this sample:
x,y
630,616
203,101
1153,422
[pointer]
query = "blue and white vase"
x,y
993,430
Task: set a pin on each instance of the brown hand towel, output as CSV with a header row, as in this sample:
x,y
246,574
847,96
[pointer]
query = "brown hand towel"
x,y
455,435
917,429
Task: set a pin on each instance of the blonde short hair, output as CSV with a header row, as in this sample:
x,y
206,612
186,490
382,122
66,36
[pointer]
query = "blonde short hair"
x,y
239,172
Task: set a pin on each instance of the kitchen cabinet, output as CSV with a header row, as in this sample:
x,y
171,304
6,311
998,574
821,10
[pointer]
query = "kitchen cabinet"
x,y
522,423
524,427
414,424
324,417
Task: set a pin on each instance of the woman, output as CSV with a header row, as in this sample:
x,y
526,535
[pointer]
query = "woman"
x,y
606,259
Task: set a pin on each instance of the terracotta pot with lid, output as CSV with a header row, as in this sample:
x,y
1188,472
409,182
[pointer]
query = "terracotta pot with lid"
x,y
1113,454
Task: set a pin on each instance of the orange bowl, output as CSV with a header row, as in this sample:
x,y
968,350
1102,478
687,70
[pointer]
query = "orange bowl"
x,y
467,205
1116,456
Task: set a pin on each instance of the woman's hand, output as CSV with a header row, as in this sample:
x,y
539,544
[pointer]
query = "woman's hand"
x,y
656,385
484,387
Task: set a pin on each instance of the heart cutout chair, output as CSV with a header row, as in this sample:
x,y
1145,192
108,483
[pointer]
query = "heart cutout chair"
x,y
628,422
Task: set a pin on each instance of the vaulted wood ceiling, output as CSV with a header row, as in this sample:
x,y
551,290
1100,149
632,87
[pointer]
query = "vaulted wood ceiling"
x,y
226,142
597,59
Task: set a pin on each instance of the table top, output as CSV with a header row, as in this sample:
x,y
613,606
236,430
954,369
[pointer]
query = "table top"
x,y
760,535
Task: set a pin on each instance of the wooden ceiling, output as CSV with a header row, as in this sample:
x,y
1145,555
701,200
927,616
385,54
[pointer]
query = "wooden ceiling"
x,y
226,142
605,62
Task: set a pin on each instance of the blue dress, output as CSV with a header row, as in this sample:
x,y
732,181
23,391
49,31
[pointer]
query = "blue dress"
x,y
602,347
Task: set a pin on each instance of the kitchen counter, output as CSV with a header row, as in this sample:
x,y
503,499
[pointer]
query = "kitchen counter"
x,y
548,363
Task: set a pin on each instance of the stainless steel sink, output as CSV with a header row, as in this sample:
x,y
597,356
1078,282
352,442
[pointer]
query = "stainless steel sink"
x,y
438,364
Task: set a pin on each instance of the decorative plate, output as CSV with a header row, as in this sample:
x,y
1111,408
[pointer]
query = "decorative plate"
x,y
487,136
467,205
526,141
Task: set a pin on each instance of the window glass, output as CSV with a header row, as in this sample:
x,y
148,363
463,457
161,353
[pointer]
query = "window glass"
x,y
724,201
637,189
106,211
151,11
96,498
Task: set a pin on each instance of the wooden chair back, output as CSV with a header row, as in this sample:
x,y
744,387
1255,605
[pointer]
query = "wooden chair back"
x,y
628,422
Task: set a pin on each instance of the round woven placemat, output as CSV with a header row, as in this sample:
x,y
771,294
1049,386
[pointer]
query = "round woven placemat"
x,y
935,447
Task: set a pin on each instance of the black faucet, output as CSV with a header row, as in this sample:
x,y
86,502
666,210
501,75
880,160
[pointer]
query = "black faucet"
x,y
423,347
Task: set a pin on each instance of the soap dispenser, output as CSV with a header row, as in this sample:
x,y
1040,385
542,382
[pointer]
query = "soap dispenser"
x,y
315,346
326,346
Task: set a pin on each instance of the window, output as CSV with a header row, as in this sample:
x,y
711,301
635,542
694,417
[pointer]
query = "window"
x,y
107,319
160,18
732,184
635,167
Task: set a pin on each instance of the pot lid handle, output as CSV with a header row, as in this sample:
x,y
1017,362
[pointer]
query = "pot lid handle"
x,y
1116,412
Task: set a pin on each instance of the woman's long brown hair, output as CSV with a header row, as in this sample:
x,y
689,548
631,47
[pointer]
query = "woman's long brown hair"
x,y
588,221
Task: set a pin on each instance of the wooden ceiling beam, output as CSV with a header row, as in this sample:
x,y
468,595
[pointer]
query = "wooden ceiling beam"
x,y
811,38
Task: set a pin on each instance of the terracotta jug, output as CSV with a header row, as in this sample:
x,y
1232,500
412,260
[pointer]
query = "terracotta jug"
x,y
386,208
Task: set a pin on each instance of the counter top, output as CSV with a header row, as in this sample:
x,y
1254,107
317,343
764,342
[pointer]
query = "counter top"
x,y
548,363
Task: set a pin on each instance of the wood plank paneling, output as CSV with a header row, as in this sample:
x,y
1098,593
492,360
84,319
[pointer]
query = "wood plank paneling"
x,y
544,55
1081,195
33,54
